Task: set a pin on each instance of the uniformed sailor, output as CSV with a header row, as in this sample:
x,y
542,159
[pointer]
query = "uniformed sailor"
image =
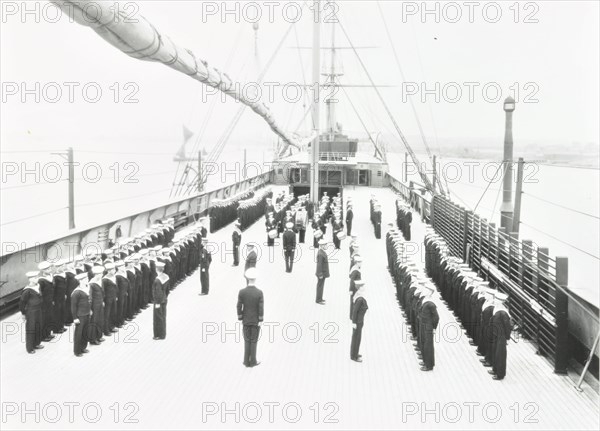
x,y
160,287
46,282
81,309
205,261
322,271
359,310
109,284
501,329
251,258
97,295
250,311
349,218
289,246
355,275
428,322
122,293
60,296
236,239
30,306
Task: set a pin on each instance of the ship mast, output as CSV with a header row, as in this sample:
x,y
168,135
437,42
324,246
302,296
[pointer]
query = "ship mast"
x,y
314,171
331,81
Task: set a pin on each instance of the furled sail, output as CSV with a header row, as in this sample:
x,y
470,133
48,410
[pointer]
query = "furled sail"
x,y
139,39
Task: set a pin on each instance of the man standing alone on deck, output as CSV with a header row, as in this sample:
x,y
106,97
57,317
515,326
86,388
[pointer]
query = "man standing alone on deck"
x,y
501,328
250,310
236,238
289,246
358,318
205,261
322,271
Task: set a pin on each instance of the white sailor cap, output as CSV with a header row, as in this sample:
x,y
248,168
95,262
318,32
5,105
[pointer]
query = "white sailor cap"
x,y
32,274
289,225
97,269
44,265
322,242
144,251
82,276
499,296
109,266
160,265
157,248
78,258
119,263
357,258
251,274
61,262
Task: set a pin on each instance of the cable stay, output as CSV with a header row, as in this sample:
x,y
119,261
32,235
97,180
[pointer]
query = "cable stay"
x,y
410,99
413,156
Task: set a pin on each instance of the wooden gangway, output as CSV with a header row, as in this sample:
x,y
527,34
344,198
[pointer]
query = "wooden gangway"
x,y
195,378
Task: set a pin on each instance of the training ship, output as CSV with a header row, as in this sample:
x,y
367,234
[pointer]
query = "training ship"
x,y
551,381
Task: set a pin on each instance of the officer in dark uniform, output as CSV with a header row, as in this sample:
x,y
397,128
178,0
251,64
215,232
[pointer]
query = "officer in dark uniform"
x,y
428,322
250,310
251,258
359,310
322,271
205,261
30,306
501,328
289,246
122,293
236,239
349,218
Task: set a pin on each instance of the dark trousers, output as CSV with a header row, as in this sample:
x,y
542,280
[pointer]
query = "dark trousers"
x,y
48,324
204,280
356,337
109,315
499,357
301,234
320,288
236,255
378,230
80,339
289,260
96,322
160,321
33,329
348,228
68,315
251,334
427,348
59,313
336,241
121,308
351,303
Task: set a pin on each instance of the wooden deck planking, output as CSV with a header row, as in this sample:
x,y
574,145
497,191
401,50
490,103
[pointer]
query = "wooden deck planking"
x,y
170,380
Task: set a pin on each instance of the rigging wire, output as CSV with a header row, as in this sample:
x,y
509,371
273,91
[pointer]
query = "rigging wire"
x,y
561,241
402,137
500,165
122,199
33,216
410,99
561,206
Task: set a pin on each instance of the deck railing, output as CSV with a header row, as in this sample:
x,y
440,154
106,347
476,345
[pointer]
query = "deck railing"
x,y
15,265
535,282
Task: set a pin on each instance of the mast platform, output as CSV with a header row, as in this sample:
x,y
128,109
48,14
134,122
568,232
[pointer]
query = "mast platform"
x,y
195,378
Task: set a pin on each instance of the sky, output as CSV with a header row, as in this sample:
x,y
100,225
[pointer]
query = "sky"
x,y
551,55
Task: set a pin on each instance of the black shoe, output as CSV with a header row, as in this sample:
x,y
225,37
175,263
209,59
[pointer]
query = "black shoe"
x,y
359,359
40,347
85,351
479,354
494,377
95,343
426,368
255,365
203,294
472,343
79,355
485,363
321,302
31,352
245,364
156,338
492,372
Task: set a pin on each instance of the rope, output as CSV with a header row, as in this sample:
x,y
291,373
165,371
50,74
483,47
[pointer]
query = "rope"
x,y
488,186
562,206
561,241
34,216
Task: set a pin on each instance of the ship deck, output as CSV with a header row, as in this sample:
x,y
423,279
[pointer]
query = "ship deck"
x,y
180,382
